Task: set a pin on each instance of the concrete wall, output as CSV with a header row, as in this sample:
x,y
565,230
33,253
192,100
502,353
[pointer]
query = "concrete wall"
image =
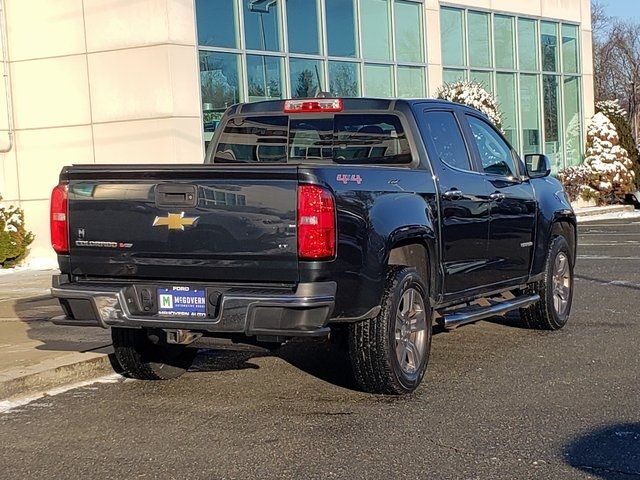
x,y
105,81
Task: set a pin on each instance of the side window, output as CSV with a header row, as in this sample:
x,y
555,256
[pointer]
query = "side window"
x,y
447,138
495,154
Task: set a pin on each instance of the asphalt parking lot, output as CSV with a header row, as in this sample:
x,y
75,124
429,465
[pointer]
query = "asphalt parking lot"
x,y
498,401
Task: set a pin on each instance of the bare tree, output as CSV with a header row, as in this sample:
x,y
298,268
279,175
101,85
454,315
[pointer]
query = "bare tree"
x,y
616,52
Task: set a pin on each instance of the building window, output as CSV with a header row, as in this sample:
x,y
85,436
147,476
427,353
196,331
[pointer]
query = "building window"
x,y
270,49
479,40
217,23
262,29
264,75
452,28
341,28
375,28
549,40
530,113
535,78
306,77
527,44
408,26
504,33
378,81
303,26
344,79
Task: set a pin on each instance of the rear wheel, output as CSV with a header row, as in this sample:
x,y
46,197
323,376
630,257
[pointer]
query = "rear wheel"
x,y
389,353
551,312
138,357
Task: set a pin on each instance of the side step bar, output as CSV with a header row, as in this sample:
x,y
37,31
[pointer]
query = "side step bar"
x,y
474,313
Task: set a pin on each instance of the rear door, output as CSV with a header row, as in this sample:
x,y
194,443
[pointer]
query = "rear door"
x,y
513,203
202,223
464,203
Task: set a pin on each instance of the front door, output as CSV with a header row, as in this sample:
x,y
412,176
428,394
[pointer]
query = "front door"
x,y
464,203
513,203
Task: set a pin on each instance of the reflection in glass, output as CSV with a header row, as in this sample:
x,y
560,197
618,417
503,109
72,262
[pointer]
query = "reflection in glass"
x,y
341,28
504,34
217,23
303,26
452,32
378,81
552,126
527,44
409,40
262,25
344,79
569,48
479,39
572,122
482,77
506,96
549,40
264,75
530,111
451,75
376,26
306,77
411,83
220,86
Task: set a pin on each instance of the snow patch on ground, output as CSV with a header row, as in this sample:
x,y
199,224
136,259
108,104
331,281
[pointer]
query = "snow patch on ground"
x,y
9,405
610,216
41,263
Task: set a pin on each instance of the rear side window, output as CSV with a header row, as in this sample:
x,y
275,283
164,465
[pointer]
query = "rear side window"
x,y
447,139
342,138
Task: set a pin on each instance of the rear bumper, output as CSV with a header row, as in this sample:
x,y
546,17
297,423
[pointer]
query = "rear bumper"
x,y
304,311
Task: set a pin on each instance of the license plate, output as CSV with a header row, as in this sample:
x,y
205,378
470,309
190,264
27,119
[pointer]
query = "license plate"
x,y
182,302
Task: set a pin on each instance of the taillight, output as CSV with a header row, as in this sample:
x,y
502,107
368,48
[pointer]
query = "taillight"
x,y
314,105
316,223
59,219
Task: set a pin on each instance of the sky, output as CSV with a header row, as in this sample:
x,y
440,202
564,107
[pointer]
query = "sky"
x,y
623,8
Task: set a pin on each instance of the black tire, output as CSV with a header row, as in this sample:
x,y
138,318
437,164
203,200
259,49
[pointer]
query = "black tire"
x,y
372,342
138,357
543,315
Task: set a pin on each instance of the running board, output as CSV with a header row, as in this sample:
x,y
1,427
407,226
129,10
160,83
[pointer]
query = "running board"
x,y
474,313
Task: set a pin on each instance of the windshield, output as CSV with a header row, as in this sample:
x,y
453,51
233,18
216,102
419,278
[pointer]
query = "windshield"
x,y
340,138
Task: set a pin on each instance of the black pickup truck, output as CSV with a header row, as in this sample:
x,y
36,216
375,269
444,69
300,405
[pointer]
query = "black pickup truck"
x,y
364,219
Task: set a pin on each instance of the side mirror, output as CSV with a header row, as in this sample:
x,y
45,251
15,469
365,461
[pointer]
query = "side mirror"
x,y
538,165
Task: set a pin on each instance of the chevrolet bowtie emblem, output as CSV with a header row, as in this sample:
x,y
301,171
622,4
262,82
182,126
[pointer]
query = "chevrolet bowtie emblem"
x,y
175,221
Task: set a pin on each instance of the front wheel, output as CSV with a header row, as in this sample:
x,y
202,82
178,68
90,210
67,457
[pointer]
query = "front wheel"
x,y
136,356
389,353
551,312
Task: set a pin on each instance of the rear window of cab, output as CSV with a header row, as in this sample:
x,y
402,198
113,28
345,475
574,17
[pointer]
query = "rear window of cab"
x,y
339,138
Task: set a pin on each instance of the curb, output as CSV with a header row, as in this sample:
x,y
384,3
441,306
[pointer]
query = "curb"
x,y
592,211
36,383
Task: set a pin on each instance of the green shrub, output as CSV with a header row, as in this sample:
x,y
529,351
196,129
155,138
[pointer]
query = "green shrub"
x,y
14,238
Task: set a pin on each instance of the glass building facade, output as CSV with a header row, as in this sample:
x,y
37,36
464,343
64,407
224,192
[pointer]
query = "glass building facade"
x,y
532,67
254,50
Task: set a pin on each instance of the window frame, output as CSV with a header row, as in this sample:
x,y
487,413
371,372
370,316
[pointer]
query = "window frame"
x,y
518,175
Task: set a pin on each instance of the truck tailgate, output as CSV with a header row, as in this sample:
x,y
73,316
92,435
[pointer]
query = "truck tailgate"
x,y
184,222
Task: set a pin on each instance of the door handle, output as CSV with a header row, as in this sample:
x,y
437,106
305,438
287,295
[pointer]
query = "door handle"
x,y
453,194
497,196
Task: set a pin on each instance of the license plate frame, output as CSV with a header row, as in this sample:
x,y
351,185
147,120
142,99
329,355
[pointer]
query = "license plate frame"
x,y
181,301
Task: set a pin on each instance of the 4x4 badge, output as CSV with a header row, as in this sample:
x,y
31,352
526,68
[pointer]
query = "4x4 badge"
x,y
175,221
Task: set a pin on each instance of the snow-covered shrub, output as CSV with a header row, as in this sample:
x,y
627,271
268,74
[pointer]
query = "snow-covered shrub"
x,y
14,238
611,108
577,183
608,160
618,116
474,95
